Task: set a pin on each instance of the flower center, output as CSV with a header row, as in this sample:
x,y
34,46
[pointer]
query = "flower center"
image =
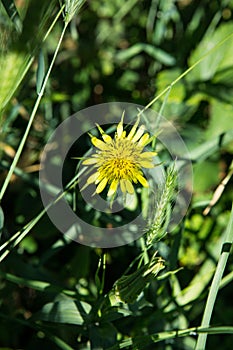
x,y
120,161
118,168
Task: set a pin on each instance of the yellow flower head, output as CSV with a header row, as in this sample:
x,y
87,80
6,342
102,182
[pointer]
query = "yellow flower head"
x,y
119,161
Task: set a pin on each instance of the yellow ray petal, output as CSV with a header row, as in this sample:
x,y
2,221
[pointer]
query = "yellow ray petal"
x,y
139,133
120,127
122,185
89,161
93,178
143,140
99,128
105,137
142,180
146,164
98,143
148,154
129,187
102,185
133,130
113,188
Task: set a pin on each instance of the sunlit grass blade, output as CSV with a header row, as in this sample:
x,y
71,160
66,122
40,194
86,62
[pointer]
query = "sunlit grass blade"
x,y
144,341
226,247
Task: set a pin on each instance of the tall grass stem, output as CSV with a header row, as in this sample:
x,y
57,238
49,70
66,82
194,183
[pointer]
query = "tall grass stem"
x,y
226,246
31,119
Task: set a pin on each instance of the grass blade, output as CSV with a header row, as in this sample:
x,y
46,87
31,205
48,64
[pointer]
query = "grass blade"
x,y
226,246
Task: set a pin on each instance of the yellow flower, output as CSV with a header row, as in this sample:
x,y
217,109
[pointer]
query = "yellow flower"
x,y
119,161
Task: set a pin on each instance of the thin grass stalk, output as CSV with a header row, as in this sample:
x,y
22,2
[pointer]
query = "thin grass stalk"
x,y
226,246
31,119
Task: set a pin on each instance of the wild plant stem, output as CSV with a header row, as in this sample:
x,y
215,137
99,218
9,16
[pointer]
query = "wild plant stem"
x,y
31,119
226,246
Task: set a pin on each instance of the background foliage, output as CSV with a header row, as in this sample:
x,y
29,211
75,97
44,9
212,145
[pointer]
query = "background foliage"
x,y
51,290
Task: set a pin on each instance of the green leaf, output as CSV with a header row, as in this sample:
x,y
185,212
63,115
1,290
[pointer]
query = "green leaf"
x,y
165,78
218,125
210,147
197,285
67,311
218,60
206,176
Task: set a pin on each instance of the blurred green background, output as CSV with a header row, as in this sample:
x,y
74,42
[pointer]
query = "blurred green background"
x,y
127,51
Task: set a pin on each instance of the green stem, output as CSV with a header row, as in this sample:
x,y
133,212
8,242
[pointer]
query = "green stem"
x,y
226,246
31,119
